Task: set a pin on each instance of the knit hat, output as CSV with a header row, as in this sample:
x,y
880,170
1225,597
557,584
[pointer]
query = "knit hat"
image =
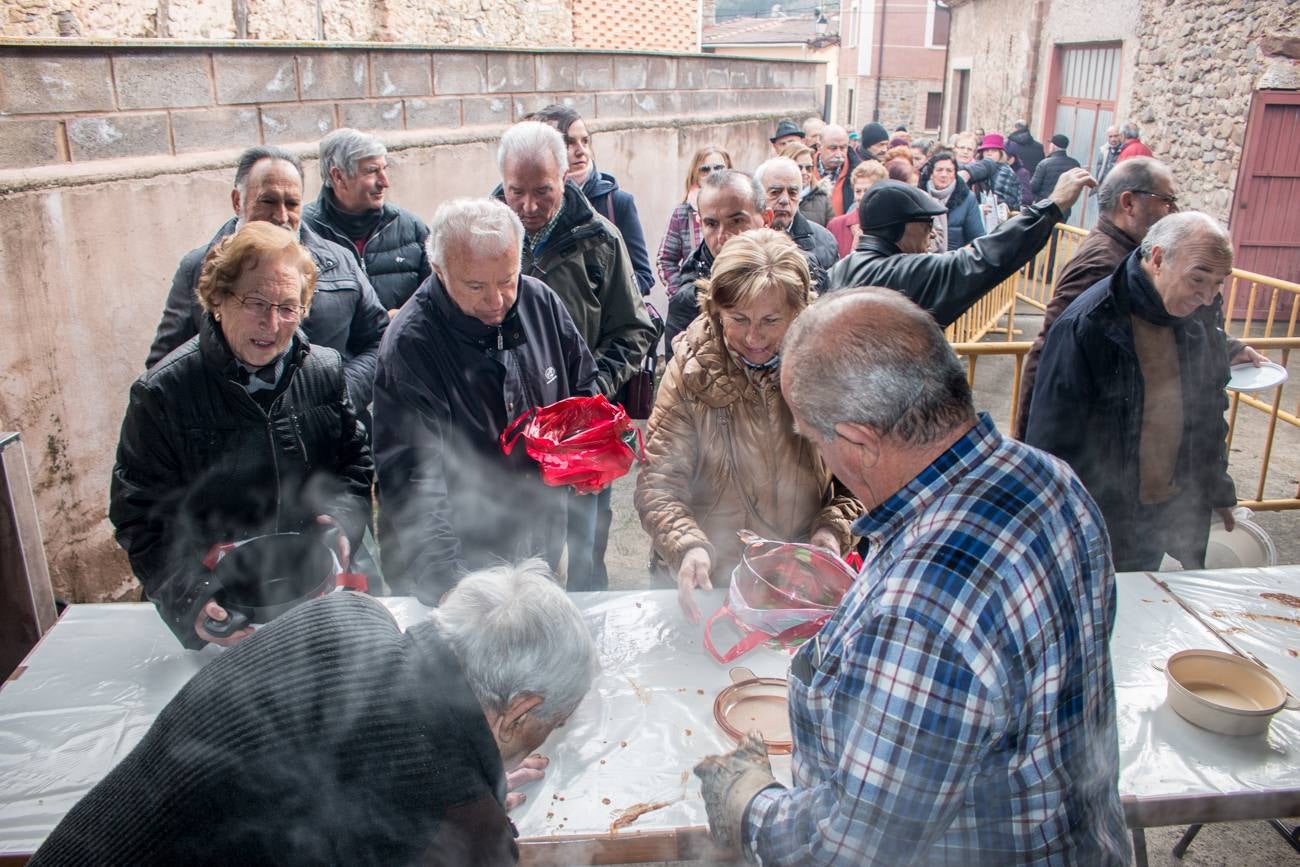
x,y
785,128
873,133
1060,141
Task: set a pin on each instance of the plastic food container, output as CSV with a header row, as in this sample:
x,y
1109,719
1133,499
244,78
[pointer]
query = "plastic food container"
x,y
1223,692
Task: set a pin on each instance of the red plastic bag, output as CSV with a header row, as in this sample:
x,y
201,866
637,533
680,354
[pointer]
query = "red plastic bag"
x,y
586,442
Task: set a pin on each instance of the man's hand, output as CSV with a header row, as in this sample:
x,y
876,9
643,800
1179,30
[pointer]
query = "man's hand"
x,y
530,770
343,549
826,538
1069,186
1229,520
1248,354
694,572
729,782
216,612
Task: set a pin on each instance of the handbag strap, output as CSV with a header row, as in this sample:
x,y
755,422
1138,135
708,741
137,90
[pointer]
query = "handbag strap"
x,y
754,637
515,429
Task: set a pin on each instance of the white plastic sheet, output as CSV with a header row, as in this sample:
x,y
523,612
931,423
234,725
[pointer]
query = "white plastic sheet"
x,y
93,686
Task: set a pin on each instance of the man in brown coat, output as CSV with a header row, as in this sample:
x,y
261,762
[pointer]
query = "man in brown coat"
x,y
1136,194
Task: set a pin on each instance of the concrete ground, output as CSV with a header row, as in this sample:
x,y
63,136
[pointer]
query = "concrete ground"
x,y
1248,844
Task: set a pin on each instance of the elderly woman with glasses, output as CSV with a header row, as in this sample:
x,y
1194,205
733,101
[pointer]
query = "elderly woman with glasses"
x,y
722,454
684,234
815,192
244,430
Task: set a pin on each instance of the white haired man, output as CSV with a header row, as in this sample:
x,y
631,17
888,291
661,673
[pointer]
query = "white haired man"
x,y
346,315
781,183
1130,393
332,737
582,256
353,211
477,345
958,707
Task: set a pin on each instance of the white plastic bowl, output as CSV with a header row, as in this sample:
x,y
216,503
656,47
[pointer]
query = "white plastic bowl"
x,y
1222,692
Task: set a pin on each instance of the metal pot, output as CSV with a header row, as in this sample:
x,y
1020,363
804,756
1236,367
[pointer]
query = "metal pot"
x,y
265,576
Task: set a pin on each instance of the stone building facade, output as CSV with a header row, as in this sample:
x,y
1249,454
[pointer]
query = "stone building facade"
x,y
657,25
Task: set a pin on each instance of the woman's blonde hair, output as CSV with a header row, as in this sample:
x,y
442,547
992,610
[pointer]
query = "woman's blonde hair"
x,y
698,160
244,251
871,169
794,150
752,265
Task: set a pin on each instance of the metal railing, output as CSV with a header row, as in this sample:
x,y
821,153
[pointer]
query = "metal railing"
x,y
1260,310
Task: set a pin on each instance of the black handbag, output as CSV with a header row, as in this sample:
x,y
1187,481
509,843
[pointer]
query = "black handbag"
x,y
639,392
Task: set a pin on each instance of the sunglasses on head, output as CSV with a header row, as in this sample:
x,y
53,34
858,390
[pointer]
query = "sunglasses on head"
x,y
706,168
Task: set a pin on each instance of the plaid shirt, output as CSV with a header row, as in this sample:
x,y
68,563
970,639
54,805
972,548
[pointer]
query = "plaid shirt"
x,y
959,706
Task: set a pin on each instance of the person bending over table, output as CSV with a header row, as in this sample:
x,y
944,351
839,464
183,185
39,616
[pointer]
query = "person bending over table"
x,y
332,737
959,706
722,454
243,430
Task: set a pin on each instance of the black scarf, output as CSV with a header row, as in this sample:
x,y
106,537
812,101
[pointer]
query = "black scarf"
x,y
357,227
1143,299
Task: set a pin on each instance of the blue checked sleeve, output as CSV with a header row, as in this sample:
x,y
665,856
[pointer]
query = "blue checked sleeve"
x,y
905,717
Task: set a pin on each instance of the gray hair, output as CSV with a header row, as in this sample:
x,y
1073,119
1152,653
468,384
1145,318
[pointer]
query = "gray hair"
x,y
344,149
869,356
1138,173
514,631
1173,231
1129,130
531,140
254,155
483,225
774,162
741,182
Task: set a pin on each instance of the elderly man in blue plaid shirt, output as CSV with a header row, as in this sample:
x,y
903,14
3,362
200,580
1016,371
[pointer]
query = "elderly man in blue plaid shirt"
x,y
959,706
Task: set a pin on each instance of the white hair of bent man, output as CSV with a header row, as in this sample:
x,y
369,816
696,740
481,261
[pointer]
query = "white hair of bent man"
x,y
344,149
1187,256
483,227
870,356
516,633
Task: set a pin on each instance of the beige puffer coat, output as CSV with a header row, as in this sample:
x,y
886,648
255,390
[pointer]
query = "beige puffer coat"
x,y
722,455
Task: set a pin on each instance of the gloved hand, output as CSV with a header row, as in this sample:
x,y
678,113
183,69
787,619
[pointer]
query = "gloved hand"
x,y
729,782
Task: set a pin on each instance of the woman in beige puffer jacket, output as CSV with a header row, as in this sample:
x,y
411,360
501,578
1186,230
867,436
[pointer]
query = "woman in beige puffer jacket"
x,y
722,454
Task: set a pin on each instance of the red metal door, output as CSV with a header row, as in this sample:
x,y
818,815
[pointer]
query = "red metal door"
x,y
1265,216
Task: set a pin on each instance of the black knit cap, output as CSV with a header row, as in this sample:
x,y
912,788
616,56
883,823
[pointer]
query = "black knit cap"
x,y
873,133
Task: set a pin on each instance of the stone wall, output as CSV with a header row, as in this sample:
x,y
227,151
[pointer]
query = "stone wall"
x,y
991,38
96,241
92,101
1196,73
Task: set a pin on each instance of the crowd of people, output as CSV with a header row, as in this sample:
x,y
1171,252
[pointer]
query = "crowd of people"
x,y
317,365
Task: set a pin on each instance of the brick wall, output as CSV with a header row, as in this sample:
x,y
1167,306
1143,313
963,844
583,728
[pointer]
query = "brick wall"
x,y
93,102
639,25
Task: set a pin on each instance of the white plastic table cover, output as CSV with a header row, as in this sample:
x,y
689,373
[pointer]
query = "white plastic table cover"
x,y
89,691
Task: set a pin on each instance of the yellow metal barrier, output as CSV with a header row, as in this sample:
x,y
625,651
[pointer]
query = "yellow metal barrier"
x,y
1263,311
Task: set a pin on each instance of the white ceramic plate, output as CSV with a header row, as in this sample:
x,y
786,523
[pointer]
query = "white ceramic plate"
x,y
1248,378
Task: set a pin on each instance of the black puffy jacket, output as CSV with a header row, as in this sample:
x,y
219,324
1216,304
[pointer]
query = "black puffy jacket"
x,y
395,258
346,316
948,284
449,499
200,462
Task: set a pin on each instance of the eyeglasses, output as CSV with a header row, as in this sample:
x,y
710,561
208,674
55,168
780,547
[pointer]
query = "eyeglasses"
x,y
259,307
704,169
1170,201
805,167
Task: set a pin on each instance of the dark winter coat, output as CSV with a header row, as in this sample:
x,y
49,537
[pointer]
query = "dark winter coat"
x,y
346,315
395,258
586,263
446,386
1088,401
329,737
965,222
816,206
991,176
1028,149
948,284
200,462
1049,171
618,206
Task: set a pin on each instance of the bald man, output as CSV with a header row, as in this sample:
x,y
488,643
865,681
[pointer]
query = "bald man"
x,y
959,706
836,160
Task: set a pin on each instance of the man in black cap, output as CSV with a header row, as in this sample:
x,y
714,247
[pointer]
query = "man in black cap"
x,y
897,220
1049,171
786,132
874,141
